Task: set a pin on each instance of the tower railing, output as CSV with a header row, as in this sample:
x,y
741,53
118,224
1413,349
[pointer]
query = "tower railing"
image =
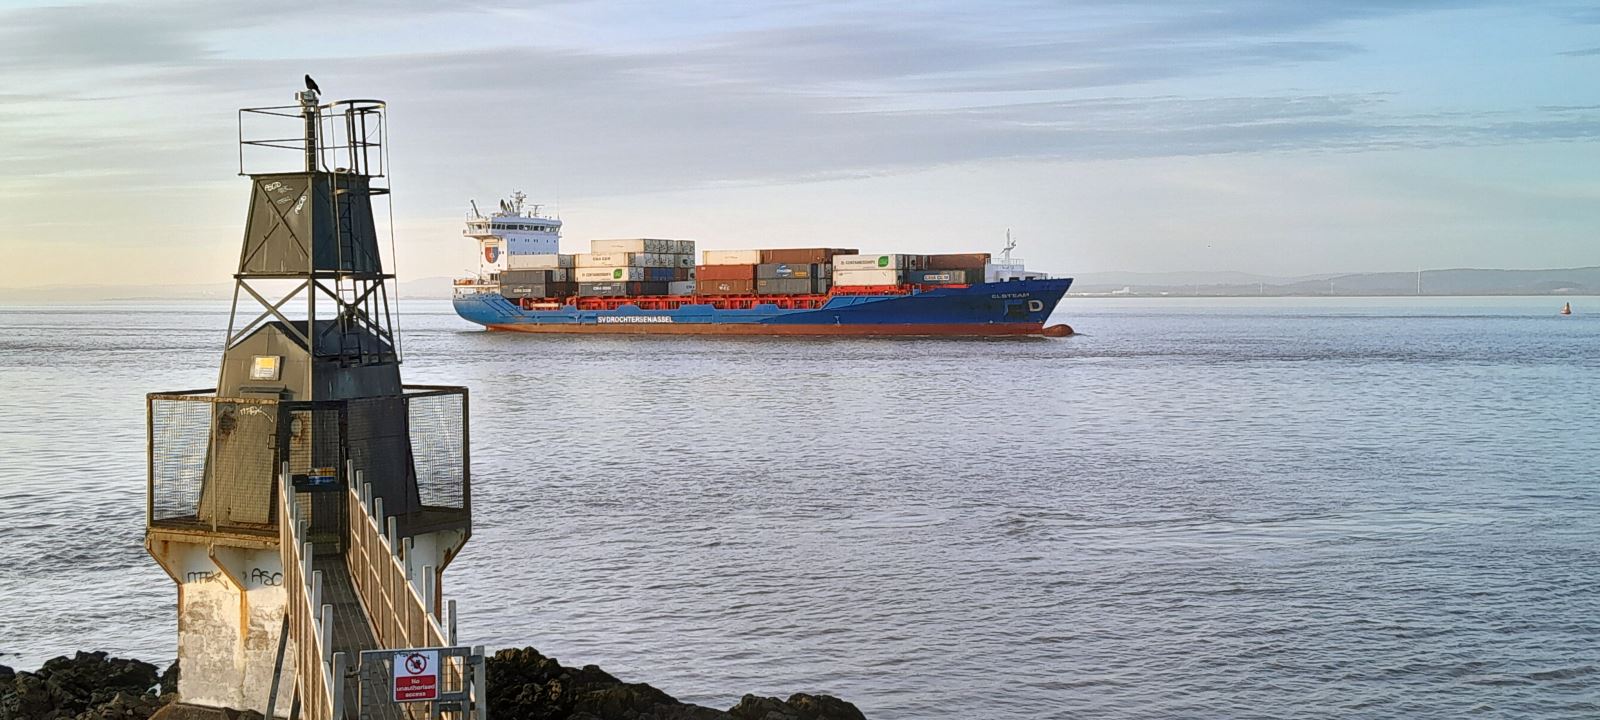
x,y
404,611
319,671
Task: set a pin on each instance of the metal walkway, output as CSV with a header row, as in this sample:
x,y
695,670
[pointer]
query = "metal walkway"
x,y
356,595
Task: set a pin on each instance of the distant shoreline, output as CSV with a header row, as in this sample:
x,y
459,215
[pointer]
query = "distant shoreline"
x,y
1308,296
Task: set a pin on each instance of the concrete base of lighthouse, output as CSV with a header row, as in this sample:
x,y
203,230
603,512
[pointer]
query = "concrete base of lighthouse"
x,y
231,605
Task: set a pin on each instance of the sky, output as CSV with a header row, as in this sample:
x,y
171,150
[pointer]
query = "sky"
x,y
1263,136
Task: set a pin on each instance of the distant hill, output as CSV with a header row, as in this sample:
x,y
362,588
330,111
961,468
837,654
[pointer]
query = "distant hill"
x,y
1462,281
431,287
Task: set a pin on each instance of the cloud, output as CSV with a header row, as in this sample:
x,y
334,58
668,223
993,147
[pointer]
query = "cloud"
x,y
847,92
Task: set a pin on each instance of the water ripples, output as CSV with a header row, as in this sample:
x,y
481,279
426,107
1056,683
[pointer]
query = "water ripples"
x,y
1244,509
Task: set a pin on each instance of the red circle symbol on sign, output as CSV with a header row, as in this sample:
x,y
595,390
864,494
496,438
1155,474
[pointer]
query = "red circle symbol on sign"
x,y
415,664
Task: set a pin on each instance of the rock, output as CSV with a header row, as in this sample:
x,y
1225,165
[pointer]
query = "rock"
x,y
180,711
169,680
77,687
799,706
526,684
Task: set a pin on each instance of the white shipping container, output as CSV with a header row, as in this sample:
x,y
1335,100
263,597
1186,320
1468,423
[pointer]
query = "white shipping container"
x,y
538,262
683,260
684,247
857,278
603,260
731,257
640,245
610,274
654,260
870,262
680,287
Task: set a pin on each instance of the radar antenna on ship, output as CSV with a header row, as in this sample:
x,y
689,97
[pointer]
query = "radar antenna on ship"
x,y
1010,245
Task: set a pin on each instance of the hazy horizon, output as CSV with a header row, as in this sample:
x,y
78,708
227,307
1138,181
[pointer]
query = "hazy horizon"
x,y
1241,136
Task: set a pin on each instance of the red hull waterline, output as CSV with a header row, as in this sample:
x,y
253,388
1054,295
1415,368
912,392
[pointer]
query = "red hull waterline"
x,y
924,329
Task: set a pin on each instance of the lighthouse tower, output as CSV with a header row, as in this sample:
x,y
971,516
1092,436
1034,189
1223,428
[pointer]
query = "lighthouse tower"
x,y
260,487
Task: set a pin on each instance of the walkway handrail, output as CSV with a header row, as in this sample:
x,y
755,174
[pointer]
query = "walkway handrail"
x,y
310,620
404,612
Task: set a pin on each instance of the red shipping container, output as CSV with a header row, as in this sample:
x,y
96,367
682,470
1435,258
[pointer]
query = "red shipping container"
x,y
960,261
802,256
724,287
725,272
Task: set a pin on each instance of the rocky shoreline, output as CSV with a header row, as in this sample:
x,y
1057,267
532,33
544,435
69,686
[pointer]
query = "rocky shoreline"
x,y
523,685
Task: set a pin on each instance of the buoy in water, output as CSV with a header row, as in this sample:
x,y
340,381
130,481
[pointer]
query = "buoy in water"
x,y
1058,331
1566,309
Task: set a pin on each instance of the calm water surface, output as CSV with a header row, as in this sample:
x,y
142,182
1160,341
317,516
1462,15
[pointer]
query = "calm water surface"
x,y
1231,508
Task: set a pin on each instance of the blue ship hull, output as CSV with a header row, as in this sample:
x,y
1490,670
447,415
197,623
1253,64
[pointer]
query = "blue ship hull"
x,y
1019,307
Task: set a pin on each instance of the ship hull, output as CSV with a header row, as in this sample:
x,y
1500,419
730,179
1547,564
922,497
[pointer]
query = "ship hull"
x,y
987,309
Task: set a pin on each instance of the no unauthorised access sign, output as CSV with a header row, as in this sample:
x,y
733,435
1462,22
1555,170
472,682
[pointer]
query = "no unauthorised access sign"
x,y
416,675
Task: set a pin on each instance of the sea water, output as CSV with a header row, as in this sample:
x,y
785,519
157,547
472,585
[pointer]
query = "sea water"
x,y
1255,508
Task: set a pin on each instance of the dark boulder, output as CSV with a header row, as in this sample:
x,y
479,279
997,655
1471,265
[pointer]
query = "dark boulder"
x,y
76,687
799,706
526,685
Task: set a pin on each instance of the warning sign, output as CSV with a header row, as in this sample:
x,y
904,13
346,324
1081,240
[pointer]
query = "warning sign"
x,y
416,676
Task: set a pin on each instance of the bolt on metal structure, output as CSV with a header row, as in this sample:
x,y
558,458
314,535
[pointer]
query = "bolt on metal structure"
x,y
308,504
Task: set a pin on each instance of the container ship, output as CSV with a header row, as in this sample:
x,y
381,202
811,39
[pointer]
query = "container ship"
x,y
651,285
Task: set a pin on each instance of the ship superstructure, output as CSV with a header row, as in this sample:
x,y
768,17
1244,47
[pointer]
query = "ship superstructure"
x,y
515,228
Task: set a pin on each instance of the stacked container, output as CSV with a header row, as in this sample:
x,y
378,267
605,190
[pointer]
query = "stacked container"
x,y
539,261
643,266
957,269
874,270
540,283
787,279
725,279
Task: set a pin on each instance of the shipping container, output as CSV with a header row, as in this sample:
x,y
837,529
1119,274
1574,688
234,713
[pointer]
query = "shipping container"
x,y
856,278
661,274
620,289
611,274
804,256
683,260
958,261
870,262
538,290
725,272
785,271
535,277
641,245
543,260
724,287
681,287
522,290
944,277
785,286
731,257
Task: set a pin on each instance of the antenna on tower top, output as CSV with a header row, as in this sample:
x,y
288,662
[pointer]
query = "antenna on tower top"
x,y
1010,245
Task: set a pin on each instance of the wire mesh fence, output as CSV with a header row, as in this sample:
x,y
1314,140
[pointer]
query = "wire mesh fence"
x,y
213,460
438,425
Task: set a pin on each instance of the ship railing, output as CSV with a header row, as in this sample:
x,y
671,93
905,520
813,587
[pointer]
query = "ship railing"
x,y
319,671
